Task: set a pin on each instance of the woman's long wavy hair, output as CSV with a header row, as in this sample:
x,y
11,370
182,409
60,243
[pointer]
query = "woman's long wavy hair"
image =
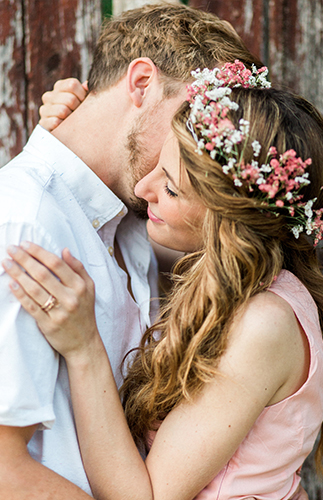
x,y
241,251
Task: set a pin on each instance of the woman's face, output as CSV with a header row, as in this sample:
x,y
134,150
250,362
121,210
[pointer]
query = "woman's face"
x,y
175,211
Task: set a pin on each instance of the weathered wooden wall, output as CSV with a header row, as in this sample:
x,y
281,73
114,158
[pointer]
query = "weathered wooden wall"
x,y
12,79
286,34
40,42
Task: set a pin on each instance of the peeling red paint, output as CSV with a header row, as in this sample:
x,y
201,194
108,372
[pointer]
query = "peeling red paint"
x,y
246,16
40,43
12,80
286,34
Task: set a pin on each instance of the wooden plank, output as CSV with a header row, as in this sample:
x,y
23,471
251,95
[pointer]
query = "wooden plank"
x,y
122,5
12,80
295,47
246,16
60,35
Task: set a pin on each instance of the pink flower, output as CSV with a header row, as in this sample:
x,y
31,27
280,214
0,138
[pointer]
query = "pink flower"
x,y
279,203
274,163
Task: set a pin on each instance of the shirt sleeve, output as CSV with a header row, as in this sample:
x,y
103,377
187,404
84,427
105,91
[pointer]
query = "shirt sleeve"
x,y
28,364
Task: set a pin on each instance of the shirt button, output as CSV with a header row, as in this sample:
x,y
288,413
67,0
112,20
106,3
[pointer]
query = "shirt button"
x,y
95,223
110,250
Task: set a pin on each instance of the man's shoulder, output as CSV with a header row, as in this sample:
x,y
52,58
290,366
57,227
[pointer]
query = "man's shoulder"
x,y
23,186
24,168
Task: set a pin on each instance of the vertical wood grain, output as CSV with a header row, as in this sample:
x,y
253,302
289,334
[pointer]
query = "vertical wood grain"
x,y
12,79
246,16
60,35
40,42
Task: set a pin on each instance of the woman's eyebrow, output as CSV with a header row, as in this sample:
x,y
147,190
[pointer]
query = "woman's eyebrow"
x,y
170,178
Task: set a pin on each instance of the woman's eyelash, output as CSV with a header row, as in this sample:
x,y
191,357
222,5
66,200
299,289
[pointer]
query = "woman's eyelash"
x,y
170,192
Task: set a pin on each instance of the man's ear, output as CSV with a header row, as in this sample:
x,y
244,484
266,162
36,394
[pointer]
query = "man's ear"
x,y
140,75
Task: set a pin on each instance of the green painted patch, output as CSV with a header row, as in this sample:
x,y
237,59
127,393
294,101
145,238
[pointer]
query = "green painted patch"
x,y
106,8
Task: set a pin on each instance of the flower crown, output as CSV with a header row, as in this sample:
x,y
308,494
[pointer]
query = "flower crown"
x,y
276,183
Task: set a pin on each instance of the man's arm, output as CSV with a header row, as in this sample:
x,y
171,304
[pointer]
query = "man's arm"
x,y
22,478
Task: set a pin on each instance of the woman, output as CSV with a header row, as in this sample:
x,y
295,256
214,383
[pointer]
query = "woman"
x,y
231,376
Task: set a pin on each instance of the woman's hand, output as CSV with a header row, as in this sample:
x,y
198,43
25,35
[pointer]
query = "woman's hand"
x,y
60,102
58,293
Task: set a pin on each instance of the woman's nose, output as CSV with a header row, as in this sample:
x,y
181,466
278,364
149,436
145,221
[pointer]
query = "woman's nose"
x,y
146,188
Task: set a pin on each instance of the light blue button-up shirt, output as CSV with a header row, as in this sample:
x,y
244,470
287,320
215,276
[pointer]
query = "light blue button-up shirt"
x,y
49,196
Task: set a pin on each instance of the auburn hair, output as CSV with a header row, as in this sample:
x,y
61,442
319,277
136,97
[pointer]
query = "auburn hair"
x,y
241,252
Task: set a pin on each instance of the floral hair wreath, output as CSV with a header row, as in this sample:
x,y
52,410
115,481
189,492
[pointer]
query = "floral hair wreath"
x,y
276,183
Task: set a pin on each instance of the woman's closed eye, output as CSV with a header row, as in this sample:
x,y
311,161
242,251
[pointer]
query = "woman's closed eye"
x,y
170,192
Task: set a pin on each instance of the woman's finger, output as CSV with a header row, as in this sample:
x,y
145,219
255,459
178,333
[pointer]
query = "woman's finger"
x,y
50,123
30,306
33,289
45,267
78,267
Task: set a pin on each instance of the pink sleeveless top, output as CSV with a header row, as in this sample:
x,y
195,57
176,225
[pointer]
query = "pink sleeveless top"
x,y
267,463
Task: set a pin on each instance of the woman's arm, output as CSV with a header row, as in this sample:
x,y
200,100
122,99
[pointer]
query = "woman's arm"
x,y
196,439
59,103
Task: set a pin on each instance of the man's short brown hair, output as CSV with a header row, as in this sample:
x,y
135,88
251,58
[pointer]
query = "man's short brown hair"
x,y
177,38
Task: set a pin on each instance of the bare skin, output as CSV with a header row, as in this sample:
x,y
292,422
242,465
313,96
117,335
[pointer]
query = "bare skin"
x,y
59,103
22,478
174,468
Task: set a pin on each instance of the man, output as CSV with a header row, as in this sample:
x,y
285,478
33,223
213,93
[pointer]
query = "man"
x,y
74,188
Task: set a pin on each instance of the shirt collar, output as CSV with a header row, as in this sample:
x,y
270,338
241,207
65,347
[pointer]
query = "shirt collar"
x,y
97,201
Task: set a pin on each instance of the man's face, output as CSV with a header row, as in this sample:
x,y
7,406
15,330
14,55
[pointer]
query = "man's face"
x,y
144,144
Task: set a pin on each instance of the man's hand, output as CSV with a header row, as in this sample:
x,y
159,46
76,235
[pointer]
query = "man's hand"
x,y
58,103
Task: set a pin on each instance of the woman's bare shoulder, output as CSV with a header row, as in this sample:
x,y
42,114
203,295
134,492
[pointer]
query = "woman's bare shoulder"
x,y
265,317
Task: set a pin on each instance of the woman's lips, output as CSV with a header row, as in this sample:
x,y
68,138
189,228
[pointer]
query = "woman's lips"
x,y
153,217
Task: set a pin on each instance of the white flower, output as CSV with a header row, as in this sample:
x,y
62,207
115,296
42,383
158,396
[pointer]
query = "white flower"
x,y
218,93
303,180
256,147
228,145
235,136
206,75
244,126
289,196
261,180
237,182
231,162
227,103
296,230
218,141
196,107
308,209
265,168
254,164
226,169
252,81
309,227
213,154
200,144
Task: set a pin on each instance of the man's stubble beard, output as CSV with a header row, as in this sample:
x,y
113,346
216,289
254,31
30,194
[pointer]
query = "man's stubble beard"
x,y
136,172
140,163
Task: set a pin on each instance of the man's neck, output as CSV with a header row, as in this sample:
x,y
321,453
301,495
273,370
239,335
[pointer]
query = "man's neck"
x,y
91,133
